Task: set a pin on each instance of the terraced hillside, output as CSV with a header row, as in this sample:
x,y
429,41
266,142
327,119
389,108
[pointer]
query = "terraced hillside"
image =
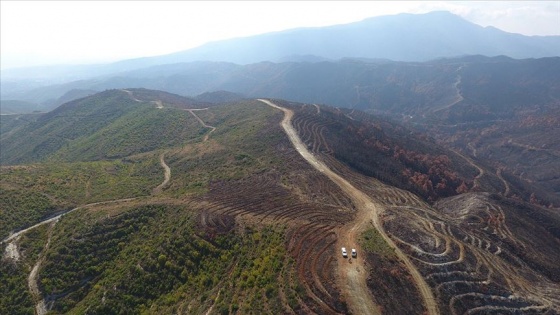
x,y
478,251
522,149
231,217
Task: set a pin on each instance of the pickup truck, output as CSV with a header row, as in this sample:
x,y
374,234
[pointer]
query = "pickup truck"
x,y
344,253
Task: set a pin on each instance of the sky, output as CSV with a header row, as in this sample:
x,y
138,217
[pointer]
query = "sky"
x,y
73,32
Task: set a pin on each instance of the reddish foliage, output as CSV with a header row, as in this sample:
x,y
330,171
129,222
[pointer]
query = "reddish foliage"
x,y
432,174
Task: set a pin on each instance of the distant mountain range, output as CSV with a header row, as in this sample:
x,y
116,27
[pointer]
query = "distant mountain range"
x,y
402,37
496,86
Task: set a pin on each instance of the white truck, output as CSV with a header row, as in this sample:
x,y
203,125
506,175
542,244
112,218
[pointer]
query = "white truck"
x,y
344,253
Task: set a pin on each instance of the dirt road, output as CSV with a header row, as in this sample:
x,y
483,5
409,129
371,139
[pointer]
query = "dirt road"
x,y
202,123
354,275
131,95
17,234
32,280
167,176
476,180
159,104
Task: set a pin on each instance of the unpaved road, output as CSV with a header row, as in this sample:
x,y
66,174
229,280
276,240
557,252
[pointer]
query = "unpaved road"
x,y
354,275
131,95
40,307
476,180
202,122
159,104
459,96
17,234
167,175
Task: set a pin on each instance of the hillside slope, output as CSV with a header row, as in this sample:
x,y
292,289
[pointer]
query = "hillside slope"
x,y
120,122
474,249
245,224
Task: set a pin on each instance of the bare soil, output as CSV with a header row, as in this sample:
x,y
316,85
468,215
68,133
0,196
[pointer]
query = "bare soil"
x,y
353,275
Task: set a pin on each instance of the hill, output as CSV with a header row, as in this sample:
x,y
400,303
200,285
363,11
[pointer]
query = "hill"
x,y
232,216
120,122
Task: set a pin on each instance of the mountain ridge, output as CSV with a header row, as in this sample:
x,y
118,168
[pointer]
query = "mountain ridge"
x,y
419,37
348,42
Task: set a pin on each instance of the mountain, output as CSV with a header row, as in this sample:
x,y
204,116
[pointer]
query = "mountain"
x,y
346,83
402,37
175,206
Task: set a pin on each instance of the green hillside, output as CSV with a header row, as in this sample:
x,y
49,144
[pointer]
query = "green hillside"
x,y
118,241
30,194
118,124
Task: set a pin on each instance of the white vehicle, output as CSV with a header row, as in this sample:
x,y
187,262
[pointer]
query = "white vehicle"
x,y
344,253
354,253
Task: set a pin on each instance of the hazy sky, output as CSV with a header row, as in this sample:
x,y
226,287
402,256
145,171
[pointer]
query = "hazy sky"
x,y
66,32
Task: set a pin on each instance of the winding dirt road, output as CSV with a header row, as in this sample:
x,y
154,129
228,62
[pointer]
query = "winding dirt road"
x,y
354,275
476,179
167,176
202,122
459,96
32,280
506,184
